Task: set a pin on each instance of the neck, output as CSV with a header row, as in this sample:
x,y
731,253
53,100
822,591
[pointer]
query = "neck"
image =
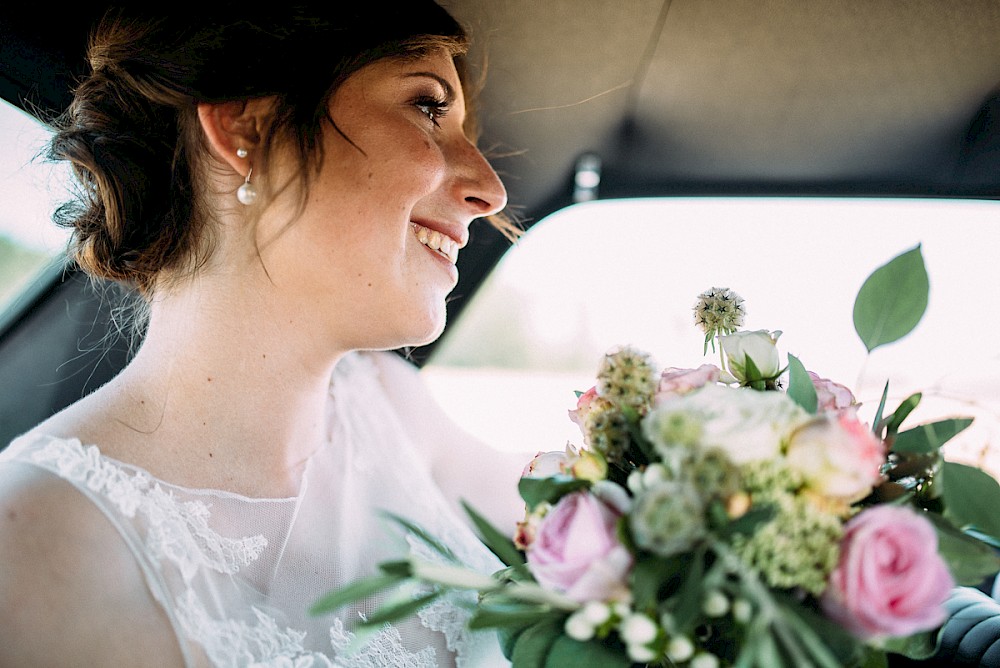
x,y
229,385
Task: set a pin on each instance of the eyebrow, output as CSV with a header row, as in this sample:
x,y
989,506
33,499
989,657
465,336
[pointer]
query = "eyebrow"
x,y
449,92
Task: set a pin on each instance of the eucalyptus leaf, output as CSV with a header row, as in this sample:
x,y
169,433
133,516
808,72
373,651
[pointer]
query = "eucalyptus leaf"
x,y
531,649
969,559
356,591
687,604
535,491
569,653
655,577
500,545
929,437
800,386
971,498
918,646
892,300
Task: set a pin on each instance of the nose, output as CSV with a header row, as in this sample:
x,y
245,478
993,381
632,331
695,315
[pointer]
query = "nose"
x,y
477,185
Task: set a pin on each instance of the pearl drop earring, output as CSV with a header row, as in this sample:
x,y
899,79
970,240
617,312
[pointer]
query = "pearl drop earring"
x,y
246,193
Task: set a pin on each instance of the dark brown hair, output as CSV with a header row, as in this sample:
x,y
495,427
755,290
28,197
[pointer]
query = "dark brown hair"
x,y
132,134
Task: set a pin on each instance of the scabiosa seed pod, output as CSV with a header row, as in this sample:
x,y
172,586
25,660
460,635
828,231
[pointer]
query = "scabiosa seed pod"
x,y
668,519
606,430
714,474
719,311
627,377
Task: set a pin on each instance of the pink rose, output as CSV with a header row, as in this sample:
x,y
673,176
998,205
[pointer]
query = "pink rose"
x,y
583,402
890,580
831,396
838,456
674,381
576,550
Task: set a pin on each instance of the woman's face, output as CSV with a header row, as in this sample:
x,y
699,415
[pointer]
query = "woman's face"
x,y
371,260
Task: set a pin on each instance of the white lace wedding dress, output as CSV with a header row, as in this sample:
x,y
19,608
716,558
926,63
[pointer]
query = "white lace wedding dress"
x,y
236,576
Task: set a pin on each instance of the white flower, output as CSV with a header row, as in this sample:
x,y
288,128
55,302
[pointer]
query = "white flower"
x,y
715,604
641,653
705,660
638,629
742,610
680,649
578,627
760,346
596,612
745,424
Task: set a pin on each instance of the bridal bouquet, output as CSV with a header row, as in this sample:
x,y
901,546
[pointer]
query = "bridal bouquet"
x,y
736,514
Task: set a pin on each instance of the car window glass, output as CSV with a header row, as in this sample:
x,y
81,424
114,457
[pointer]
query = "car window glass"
x,y
603,274
30,189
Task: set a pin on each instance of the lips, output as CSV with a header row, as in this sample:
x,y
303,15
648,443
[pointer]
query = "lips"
x,y
439,242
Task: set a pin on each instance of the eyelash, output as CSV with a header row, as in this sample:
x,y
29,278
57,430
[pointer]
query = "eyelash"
x,y
434,108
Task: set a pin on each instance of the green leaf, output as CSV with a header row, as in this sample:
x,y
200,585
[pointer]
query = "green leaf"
x,y
893,422
918,646
874,659
532,646
747,523
392,612
971,498
510,615
892,300
929,437
690,596
751,372
878,414
423,535
401,569
535,491
500,545
969,559
569,653
356,591
654,577
800,386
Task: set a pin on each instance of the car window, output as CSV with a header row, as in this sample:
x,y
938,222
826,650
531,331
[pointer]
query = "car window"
x,y
30,189
605,273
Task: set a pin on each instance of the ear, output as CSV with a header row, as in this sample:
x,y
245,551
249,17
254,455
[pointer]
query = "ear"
x,y
229,126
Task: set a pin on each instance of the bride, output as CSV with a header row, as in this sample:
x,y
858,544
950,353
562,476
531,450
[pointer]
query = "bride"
x,y
288,192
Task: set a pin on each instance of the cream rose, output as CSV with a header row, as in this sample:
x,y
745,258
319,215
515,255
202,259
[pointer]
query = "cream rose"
x,y
838,456
760,346
745,424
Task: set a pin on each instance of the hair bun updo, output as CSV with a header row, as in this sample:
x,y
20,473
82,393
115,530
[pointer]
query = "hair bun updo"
x,y
132,135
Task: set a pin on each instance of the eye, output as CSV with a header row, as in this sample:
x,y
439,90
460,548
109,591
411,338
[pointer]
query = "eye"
x,y
433,107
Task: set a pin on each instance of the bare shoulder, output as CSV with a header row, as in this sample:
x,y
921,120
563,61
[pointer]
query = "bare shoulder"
x,y
71,593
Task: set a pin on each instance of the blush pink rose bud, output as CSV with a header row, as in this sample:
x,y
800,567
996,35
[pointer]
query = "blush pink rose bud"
x,y
831,396
548,464
579,415
576,550
674,381
838,456
890,580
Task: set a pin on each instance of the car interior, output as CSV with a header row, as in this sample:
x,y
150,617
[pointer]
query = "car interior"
x,y
588,102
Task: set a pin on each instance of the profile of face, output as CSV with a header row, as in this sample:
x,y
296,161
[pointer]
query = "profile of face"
x,y
370,260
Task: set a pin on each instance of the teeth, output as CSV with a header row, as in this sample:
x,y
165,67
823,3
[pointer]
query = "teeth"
x,y
443,244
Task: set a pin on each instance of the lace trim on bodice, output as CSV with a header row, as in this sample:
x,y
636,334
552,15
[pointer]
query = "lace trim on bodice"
x,y
177,530
173,530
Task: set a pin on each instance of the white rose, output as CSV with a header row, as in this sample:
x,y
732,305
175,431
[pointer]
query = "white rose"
x,y
760,346
746,424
